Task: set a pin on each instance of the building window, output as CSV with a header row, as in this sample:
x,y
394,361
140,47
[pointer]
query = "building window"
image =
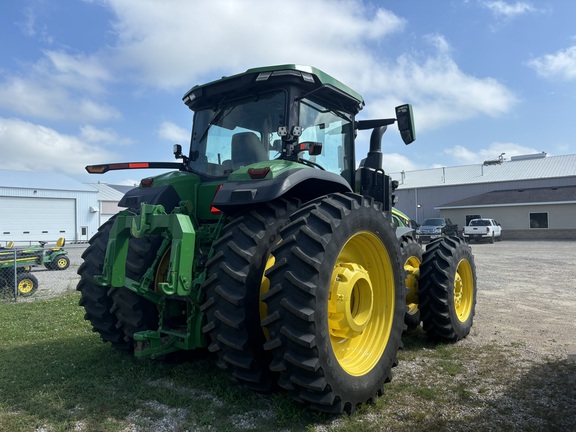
x,y
538,220
470,217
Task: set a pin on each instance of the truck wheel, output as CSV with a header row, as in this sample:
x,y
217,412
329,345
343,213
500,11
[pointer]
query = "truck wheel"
x,y
447,290
62,262
412,258
233,288
336,303
95,299
26,284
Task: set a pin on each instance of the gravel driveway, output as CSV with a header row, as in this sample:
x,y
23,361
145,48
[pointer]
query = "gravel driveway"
x,y
527,295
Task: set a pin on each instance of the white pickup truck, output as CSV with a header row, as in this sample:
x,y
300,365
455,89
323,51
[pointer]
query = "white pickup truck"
x,y
483,229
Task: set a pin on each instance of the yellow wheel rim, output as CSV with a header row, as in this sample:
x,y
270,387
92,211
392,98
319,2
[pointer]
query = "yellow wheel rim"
x,y
463,290
361,303
25,286
61,263
161,274
412,268
264,288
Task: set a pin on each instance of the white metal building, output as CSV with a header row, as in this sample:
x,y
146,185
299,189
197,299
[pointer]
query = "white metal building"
x,y
108,198
44,206
532,196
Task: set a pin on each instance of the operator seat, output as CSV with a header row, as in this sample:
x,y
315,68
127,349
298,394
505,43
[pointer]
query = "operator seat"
x,y
247,149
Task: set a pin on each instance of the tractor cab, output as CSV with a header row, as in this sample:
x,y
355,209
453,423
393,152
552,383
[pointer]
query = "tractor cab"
x,y
288,112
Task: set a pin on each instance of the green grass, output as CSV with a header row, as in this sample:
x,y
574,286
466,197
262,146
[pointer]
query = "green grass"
x,y
57,375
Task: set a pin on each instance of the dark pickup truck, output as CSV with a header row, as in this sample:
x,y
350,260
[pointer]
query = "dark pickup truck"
x,y
434,228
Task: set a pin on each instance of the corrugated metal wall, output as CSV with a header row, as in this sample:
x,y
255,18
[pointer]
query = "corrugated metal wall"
x,y
420,203
86,222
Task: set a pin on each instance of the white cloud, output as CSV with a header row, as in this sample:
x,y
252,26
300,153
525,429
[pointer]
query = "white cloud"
x,y
439,90
27,146
171,132
466,156
174,44
504,9
41,98
93,134
85,72
561,64
394,162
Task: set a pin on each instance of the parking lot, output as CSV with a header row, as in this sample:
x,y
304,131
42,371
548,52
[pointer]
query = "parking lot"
x,y
527,295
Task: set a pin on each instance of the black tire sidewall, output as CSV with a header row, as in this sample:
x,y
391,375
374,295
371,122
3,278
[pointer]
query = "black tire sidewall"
x,y
411,248
371,220
437,279
461,328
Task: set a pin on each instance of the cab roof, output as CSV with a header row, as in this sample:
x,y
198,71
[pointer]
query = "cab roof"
x,y
308,77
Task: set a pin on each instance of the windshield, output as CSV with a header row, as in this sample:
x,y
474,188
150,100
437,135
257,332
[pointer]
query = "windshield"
x,y
236,134
333,130
434,222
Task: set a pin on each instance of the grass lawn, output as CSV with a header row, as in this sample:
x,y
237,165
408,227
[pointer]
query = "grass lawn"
x,y
57,375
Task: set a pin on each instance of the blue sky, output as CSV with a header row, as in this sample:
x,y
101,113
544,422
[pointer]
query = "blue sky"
x,y
95,81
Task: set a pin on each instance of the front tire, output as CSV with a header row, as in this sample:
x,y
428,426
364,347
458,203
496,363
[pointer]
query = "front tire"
x,y
336,303
447,290
412,258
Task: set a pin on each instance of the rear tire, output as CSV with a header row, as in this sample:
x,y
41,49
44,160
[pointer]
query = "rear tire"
x,y
134,312
336,303
233,288
447,289
61,262
95,299
26,284
411,258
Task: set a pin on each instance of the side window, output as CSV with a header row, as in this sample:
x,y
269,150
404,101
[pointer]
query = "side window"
x,y
538,220
333,131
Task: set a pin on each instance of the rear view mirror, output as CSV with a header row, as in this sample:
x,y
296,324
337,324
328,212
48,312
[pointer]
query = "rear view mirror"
x,y
405,121
177,150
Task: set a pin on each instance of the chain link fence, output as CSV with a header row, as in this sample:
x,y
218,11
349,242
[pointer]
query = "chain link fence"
x,y
16,278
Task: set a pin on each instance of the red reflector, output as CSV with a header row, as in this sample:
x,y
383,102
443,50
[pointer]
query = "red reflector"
x,y
138,165
258,173
215,211
147,182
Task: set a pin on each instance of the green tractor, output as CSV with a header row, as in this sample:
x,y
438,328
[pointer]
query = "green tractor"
x,y
267,246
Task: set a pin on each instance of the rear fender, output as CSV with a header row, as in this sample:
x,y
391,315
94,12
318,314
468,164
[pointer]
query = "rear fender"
x,y
304,184
403,232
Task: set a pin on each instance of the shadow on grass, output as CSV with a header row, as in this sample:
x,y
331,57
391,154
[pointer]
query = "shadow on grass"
x,y
82,383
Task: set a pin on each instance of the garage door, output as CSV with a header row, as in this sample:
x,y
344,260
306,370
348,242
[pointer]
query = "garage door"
x,y
33,219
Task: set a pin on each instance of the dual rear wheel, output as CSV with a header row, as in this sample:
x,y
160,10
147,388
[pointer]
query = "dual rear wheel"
x,y
336,303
